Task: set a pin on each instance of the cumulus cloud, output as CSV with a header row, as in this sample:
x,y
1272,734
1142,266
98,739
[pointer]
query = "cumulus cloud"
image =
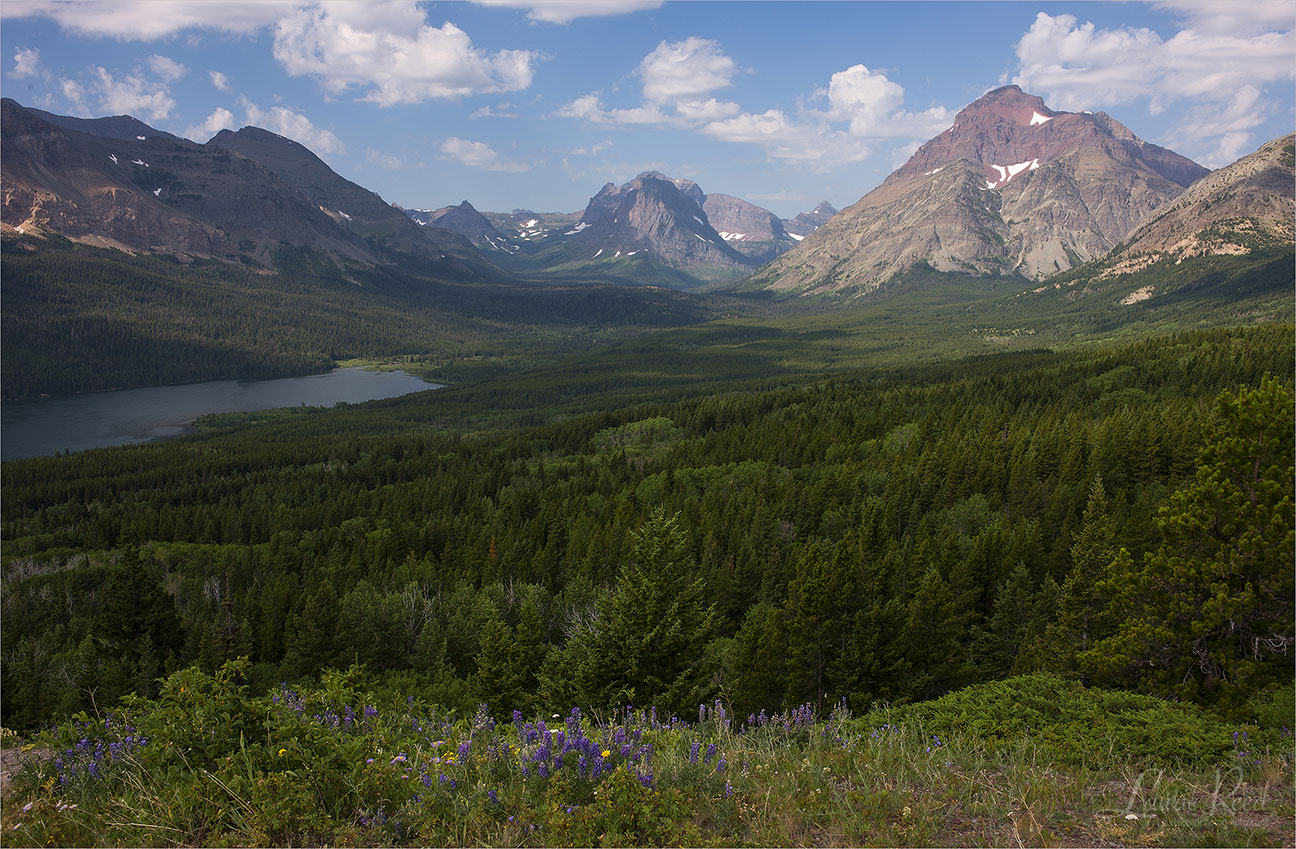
x,y
131,95
293,125
26,63
75,94
871,104
166,68
390,51
477,154
563,11
148,20
678,76
817,146
220,119
1211,61
684,70
219,80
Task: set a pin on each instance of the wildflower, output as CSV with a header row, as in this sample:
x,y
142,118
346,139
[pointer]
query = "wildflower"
x,y
399,759
368,760
607,753
281,752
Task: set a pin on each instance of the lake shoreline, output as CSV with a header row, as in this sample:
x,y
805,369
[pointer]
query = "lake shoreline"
x,y
49,426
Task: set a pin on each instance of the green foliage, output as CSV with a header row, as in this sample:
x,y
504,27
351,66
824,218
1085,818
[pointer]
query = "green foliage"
x,y
888,535
338,764
646,646
1071,723
1209,615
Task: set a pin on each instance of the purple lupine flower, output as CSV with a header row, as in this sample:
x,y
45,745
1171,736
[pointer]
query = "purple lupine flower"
x,y
693,752
710,753
728,791
720,766
701,713
646,779
494,799
370,711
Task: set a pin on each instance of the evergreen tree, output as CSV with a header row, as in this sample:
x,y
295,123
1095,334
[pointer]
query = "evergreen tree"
x,y
1082,616
649,641
1209,615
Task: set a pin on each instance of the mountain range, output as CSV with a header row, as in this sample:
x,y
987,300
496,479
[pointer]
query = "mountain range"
x,y
1013,187
1013,190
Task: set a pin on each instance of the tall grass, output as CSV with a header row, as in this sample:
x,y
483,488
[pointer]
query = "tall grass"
x,y
207,764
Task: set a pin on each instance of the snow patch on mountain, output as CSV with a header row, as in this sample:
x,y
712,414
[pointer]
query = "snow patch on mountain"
x,y
1037,119
1007,172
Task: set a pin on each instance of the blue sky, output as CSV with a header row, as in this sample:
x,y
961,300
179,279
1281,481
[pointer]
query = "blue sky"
x,y
512,103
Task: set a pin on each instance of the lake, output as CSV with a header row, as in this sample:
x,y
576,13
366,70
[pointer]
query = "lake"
x,y
127,416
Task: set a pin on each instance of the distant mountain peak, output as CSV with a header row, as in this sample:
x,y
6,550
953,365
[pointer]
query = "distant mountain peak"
x,y
1012,187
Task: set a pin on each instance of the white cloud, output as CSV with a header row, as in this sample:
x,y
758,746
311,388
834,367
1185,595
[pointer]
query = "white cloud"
x,y
811,144
901,154
293,125
219,80
389,161
1208,63
871,103
593,150
390,50
167,68
1227,125
220,119
476,154
1222,17
563,11
707,110
26,63
75,94
684,70
147,20
676,77
131,95
488,112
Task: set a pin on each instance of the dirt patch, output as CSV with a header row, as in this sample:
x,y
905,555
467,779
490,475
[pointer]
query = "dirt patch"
x,y
14,759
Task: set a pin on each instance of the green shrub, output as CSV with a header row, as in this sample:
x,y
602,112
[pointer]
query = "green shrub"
x,y
1071,723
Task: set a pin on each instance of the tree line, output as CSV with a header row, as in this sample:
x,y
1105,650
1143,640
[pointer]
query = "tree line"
x,y
1121,514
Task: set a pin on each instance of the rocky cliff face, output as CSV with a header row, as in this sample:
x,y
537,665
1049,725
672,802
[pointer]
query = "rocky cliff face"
x,y
242,195
651,214
1232,211
1012,187
465,220
749,229
806,223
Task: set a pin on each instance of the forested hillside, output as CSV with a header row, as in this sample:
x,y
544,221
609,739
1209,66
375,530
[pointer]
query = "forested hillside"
x,y
878,535
80,319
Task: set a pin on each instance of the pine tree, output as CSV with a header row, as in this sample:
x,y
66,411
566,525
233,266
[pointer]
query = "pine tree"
x,y
649,641
1209,614
1082,615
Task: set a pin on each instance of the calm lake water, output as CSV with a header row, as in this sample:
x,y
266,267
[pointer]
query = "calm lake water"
x,y
128,416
